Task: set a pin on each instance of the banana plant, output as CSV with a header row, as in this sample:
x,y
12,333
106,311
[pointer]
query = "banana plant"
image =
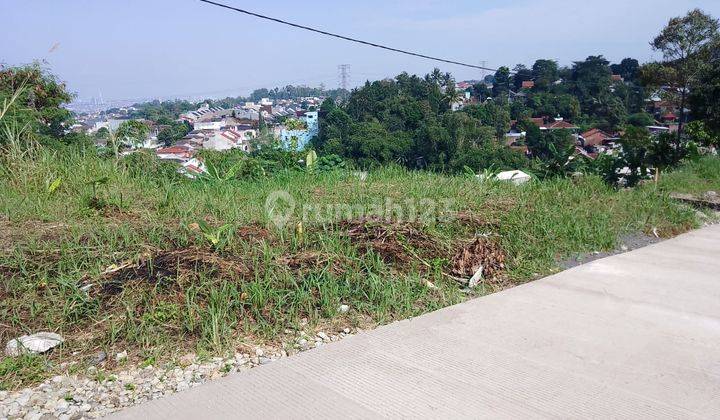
x,y
216,236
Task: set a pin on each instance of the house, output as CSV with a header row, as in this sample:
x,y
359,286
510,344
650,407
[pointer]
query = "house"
x,y
192,168
657,129
178,153
595,137
669,118
205,113
617,78
209,125
557,123
300,138
230,139
545,123
528,84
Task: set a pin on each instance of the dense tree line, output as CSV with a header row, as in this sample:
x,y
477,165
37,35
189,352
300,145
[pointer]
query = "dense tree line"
x,y
408,119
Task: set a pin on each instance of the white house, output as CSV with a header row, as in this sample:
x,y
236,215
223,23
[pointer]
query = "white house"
x,y
209,125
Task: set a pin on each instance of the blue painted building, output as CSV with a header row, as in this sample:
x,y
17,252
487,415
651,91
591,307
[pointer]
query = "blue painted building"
x,y
298,139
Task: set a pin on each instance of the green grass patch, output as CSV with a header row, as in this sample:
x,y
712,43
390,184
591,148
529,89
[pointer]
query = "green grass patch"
x,y
157,264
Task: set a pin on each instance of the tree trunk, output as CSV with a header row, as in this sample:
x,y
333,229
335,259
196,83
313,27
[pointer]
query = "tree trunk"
x,y
682,114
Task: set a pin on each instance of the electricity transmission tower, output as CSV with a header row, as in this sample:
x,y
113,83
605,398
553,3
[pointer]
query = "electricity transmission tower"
x,y
483,63
344,76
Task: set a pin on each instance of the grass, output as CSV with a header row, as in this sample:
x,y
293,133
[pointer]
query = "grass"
x,y
125,255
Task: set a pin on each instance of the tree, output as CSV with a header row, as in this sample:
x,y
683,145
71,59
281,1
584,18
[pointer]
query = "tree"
x,y
704,99
501,84
481,91
683,43
38,107
550,104
521,75
640,119
629,69
612,111
295,124
370,144
666,151
635,144
102,134
545,145
133,132
491,115
545,73
591,80
698,132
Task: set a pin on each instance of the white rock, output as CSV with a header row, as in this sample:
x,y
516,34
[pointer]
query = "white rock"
x,y
34,343
343,309
121,356
516,177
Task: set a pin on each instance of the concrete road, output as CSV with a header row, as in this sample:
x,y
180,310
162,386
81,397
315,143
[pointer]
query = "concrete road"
x,y
635,335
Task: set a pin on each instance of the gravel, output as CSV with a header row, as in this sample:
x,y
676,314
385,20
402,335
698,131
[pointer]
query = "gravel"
x,y
94,394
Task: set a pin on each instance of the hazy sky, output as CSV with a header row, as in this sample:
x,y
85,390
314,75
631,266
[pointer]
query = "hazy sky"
x,y
130,49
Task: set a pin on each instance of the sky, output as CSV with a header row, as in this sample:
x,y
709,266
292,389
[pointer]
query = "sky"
x,y
139,49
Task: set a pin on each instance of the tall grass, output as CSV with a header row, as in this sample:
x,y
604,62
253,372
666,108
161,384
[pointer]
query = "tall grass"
x,y
61,236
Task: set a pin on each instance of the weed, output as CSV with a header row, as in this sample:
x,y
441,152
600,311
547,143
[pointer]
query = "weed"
x,y
15,371
149,280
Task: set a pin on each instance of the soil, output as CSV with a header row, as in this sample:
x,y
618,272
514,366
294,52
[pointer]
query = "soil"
x,y
626,243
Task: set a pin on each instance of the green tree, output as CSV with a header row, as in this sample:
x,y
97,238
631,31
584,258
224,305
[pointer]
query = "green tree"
x,y
684,44
628,68
551,104
636,143
640,119
38,106
133,132
666,151
370,144
102,134
546,145
697,131
591,81
481,91
545,73
522,74
704,98
492,115
501,84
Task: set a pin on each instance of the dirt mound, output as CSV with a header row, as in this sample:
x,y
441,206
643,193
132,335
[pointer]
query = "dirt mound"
x,y
175,263
481,252
308,261
394,242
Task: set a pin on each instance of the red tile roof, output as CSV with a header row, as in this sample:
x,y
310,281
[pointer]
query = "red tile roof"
x,y
554,125
528,84
595,137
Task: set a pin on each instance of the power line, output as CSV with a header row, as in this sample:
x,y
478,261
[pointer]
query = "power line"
x,y
346,38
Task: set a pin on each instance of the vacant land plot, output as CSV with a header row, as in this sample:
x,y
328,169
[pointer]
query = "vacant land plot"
x,y
127,255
